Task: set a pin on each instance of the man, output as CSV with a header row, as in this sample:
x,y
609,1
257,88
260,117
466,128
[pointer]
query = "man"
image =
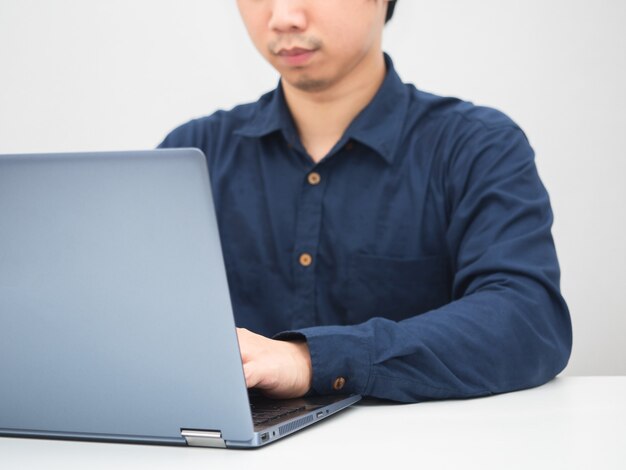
x,y
378,239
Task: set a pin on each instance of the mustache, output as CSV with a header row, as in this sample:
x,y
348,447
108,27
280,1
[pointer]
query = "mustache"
x,y
292,41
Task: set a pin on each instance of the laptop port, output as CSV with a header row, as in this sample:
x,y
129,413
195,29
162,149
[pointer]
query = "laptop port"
x,y
265,437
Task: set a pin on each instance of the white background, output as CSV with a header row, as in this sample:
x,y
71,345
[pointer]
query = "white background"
x,y
112,75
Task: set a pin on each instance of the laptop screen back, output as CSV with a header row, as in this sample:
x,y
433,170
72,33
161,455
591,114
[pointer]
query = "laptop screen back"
x,y
115,316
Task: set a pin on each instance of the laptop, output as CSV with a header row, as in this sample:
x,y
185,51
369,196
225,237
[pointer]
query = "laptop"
x,y
115,317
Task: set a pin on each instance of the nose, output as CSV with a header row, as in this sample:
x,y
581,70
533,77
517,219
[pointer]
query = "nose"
x,y
288,16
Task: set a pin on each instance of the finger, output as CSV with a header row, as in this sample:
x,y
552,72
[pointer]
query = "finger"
x,y
243,340
251,374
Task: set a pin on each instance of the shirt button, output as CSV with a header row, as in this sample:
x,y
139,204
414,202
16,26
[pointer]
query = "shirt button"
x,y
306,260
349,146
314,178
339,383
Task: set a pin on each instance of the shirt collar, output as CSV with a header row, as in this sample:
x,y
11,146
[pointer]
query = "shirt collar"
x,y
378,126
272,114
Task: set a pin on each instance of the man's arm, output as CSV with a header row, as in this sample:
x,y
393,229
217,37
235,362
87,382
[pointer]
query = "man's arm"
x,y
507,327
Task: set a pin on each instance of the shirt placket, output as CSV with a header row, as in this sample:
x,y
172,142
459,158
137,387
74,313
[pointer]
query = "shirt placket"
x,y
306,247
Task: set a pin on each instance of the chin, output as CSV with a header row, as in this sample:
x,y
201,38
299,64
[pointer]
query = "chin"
x,y
311,84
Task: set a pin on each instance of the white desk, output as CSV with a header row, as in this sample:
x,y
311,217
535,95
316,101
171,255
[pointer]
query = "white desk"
x,y
570,423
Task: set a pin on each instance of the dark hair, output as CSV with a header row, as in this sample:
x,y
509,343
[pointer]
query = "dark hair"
x,y
390,7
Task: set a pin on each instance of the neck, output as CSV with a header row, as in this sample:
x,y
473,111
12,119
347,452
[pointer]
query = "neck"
x,y
322,117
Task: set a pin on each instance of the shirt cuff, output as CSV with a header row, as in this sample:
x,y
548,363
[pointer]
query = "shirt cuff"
x,y
340,358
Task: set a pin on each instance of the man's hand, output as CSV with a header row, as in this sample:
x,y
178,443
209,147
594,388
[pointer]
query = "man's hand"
x,y
280,369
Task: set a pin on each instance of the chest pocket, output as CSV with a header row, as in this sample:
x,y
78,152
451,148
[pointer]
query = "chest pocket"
x,y
394,288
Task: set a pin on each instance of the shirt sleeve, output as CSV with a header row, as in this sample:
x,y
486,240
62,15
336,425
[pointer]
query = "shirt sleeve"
x,y
507,327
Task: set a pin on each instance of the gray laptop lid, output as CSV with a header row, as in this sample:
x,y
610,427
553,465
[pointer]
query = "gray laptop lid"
x,y
125,246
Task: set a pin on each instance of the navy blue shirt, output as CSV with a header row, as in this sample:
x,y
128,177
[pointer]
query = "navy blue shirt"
x,y
416,258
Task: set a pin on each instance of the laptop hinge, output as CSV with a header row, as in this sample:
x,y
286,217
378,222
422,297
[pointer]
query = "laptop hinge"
x,y
197,438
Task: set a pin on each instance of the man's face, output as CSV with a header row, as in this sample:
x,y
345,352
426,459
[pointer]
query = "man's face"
x,y
314,44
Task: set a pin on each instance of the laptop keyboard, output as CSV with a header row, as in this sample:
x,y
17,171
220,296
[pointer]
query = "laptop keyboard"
x,y
266,413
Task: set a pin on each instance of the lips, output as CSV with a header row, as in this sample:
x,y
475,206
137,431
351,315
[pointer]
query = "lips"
x,y
296,51
296,56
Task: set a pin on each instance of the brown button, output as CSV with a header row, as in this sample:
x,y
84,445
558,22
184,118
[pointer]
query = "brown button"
x,y
314,178
349,146
306,260
339,383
